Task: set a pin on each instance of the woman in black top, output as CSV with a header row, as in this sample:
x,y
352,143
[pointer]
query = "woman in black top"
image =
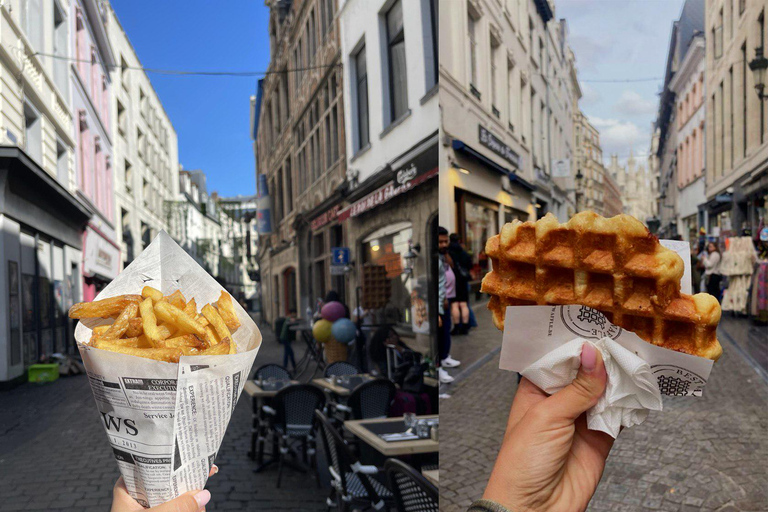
x,y
462,262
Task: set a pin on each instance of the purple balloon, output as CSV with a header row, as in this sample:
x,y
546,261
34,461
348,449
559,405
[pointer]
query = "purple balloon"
x,y
332,311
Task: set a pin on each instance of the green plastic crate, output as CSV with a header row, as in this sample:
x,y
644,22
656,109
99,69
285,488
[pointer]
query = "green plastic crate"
x,y
43,372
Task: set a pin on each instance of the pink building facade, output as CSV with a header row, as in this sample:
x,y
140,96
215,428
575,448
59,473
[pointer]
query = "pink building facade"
x,y
94,162
688,85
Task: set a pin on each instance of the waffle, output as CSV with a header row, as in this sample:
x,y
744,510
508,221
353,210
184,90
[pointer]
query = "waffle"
x,y
613,265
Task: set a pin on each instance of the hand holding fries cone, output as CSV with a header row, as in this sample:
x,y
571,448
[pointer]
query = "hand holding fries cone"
x,y
167,353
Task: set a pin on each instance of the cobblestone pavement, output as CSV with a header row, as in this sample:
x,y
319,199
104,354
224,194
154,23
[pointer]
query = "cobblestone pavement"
x,y
54,454
707,454
471,348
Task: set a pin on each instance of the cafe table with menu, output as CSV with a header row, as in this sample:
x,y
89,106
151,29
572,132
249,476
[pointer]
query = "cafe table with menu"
x,y
370,432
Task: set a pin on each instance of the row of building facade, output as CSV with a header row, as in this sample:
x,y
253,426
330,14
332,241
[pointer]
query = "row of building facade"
x,y
709,147
346,146
89,174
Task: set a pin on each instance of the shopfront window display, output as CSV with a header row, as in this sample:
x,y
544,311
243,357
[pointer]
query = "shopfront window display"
x,y
387,247
480,223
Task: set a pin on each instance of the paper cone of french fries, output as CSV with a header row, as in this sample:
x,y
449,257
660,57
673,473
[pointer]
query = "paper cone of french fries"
x,y
165,421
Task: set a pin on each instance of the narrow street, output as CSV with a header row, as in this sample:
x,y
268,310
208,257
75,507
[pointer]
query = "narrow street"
x,y
703,454
44,466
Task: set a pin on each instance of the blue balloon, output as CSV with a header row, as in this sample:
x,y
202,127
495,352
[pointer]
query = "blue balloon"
x,y
343,330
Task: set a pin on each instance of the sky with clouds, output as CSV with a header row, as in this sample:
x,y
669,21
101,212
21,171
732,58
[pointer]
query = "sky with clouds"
x,y
620,40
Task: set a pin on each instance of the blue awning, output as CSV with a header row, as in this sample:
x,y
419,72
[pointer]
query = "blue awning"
x,y
459,145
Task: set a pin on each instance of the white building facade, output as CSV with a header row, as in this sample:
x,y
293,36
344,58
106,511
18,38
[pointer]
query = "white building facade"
x,y
507,138
389,53
145,148
41,221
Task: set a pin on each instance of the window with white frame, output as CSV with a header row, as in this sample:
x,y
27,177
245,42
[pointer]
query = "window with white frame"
x,y
471,31
361,93
33,141
398,81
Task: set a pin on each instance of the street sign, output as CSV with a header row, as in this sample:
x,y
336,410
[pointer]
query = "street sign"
x,y
561,168
337,270
340,256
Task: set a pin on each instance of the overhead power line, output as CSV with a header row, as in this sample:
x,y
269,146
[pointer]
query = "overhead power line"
x,y
184,72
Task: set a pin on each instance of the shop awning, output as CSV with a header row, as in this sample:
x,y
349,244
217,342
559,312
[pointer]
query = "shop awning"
x,y
459,145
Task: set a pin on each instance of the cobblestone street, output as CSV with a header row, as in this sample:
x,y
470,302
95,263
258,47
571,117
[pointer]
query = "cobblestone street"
x,y
704,454
54,454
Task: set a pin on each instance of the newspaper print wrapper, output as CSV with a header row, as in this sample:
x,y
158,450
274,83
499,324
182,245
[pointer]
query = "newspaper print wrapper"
x,y
544,344
166,421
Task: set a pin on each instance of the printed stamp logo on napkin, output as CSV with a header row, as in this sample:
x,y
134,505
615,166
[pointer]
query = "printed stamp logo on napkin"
x,y
588,323
677,381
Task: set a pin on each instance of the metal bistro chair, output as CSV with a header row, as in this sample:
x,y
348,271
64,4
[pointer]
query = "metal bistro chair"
x,y
413,492
274,371
369,400
340,368
352,484
264,372
291,418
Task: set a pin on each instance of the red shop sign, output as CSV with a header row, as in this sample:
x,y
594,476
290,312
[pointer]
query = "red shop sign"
x,y
324,218
382,195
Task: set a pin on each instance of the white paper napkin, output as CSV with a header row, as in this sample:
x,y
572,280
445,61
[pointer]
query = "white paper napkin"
x,y
631,390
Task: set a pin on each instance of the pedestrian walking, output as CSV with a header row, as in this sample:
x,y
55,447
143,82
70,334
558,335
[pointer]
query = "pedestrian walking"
x,y
462,262
286,337
712,274
446,291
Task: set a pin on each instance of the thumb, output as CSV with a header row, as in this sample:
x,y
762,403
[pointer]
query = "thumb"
x,y
585,390
192,501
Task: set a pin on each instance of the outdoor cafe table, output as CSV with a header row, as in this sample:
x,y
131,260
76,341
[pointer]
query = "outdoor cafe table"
x,y
432,475
338,390
394,448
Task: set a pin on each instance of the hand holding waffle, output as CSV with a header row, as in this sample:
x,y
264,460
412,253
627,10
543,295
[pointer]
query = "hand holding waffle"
x,y
549,459
613,265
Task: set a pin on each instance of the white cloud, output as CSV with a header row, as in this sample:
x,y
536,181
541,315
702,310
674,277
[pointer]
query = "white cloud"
x,y
590,51
620,137
631,103
589,95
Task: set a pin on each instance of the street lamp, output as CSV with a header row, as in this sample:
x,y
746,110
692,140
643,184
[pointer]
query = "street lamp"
x,y
410,257
758,66
579,177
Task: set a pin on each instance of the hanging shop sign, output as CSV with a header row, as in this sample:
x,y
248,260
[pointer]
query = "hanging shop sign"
x,y
324,218
496,145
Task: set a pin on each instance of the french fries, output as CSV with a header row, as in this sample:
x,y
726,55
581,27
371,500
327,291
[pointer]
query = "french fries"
x,y
213,316
105,308
121,324
177,299
152,293
160,327
227,311
169,313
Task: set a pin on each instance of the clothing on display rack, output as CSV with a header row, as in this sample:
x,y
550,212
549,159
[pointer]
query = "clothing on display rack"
x,y
738,264
759,302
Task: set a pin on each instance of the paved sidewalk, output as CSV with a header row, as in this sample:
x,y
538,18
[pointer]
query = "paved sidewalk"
x,y
706,454
476,346
54,454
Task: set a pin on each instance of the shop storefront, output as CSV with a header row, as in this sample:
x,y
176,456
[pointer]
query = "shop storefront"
x,y
391,223
486,194
41,228
101,257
